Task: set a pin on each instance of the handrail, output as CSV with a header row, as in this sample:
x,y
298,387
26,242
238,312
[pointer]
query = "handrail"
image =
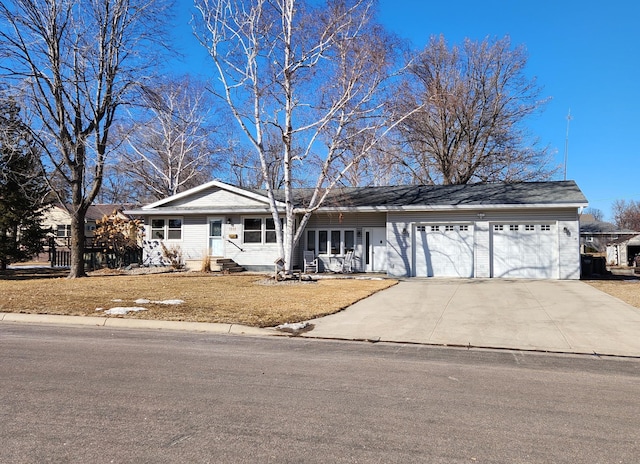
x,y
235,245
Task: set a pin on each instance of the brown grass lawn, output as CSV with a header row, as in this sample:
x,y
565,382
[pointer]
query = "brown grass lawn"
x,y
628,290
244,299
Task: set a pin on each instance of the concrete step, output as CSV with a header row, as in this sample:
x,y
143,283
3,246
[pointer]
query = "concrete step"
x,y
226,265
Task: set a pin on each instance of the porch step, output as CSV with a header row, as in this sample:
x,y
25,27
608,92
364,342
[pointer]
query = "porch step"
x,y
226,266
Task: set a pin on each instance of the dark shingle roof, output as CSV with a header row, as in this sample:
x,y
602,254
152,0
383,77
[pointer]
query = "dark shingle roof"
x,y
522,193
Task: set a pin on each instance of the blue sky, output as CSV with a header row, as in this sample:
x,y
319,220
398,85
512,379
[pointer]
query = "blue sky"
x,y
585,55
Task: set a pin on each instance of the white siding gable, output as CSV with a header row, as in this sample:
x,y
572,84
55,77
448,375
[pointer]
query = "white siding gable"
x,y
215,197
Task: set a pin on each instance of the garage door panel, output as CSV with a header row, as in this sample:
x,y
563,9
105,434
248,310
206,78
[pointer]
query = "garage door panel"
x,y
524,251
444,251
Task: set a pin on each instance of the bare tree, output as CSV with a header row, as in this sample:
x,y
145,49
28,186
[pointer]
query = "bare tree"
x,y
597,214
313,72
170,145
78,61
626,214
476,98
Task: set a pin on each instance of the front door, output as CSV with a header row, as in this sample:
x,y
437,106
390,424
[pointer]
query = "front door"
x,y
375,249
216,243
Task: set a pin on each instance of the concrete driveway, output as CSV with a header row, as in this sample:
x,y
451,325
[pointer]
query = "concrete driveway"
x,y
546,315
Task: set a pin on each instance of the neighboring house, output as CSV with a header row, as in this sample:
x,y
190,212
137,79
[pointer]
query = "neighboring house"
x,y
58,220
527,230
596,235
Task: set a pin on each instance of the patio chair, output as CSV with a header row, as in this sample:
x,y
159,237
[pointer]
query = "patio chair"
x,y
347,263
310,262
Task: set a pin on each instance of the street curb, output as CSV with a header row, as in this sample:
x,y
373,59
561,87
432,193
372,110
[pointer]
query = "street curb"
x,y
238,329
116,322
51,319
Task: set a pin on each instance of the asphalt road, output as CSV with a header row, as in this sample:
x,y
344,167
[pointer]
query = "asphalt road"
x,y
96,395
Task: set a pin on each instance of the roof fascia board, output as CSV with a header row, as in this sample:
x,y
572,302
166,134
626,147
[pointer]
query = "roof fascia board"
x,y
187,212
369,209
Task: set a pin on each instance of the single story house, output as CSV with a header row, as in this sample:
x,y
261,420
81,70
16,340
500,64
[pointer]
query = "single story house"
x,y
518,230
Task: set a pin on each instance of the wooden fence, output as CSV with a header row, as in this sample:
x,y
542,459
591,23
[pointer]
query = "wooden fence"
x,y
95,258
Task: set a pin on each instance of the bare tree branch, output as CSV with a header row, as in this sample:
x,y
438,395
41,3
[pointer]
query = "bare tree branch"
x,y
171,144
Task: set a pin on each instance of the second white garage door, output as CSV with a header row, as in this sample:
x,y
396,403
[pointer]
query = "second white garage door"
x,y
444,250
524,251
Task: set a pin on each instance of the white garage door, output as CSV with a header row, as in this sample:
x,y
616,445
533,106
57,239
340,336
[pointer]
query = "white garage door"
x,y
444,250
524,251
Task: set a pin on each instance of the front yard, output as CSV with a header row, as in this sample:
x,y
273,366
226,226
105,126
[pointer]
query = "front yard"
x,y
245,299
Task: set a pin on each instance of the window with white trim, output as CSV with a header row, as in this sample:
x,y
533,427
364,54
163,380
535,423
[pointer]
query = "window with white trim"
x,y
331,241
498,227
259,230
513,227
63,230
421,228
270,230
166,228
336,239
349,240
252,230
529,227
464,228
435,228
545,227
311,241
448,228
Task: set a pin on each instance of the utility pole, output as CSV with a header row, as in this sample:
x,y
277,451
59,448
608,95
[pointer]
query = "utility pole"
x,y
566,145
